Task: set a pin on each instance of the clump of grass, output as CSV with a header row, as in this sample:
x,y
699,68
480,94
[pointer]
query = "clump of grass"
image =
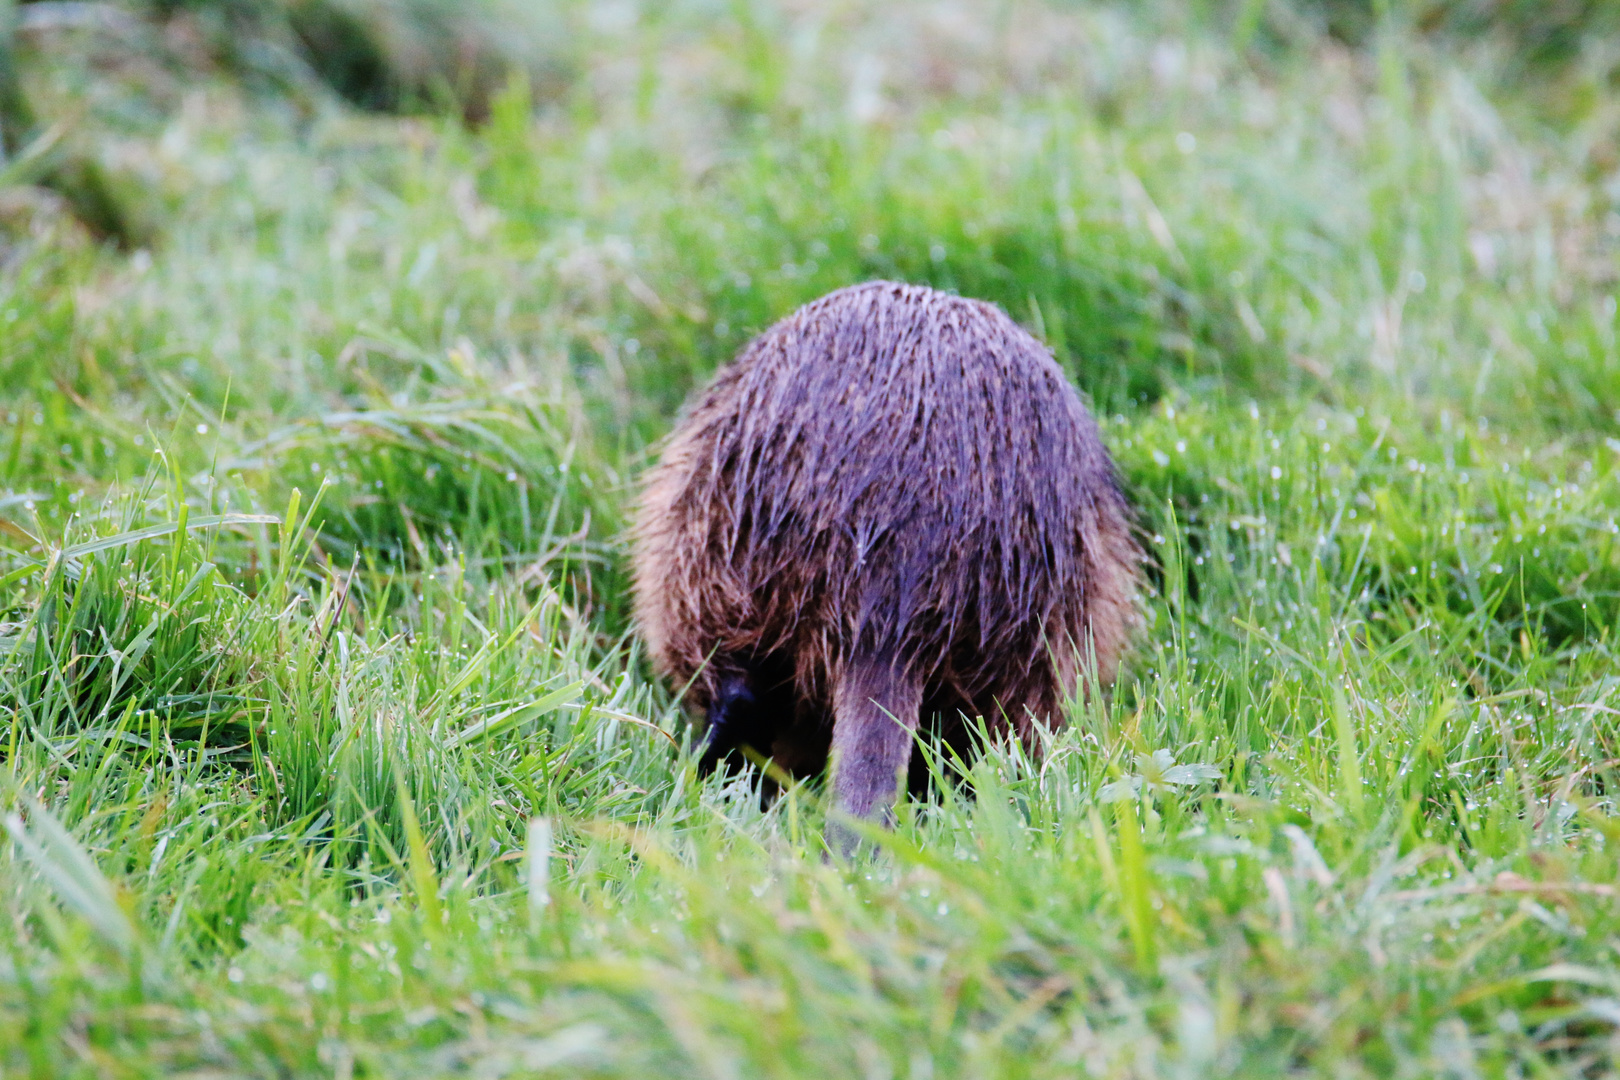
x,y
411,55
412,481
130,634
1412,523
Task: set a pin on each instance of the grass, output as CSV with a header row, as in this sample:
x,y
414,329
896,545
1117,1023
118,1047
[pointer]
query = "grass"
x,y
328,747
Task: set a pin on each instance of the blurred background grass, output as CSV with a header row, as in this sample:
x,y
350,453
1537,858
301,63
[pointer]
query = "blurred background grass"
x,y
334,333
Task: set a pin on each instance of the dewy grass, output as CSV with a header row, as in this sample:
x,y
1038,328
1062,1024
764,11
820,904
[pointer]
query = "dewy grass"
x,y
328,749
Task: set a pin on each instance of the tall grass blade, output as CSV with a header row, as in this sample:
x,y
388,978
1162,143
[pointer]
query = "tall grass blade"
x,y
73,875
419,861
150,532
1135,886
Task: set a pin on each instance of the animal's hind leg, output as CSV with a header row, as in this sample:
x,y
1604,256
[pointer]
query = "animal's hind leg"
x,y
875,712
750,703
732,719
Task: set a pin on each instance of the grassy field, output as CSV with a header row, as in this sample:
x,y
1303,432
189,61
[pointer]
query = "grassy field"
x,y
327,746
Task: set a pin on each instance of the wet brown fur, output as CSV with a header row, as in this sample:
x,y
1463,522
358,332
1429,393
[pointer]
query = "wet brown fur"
x,y
890,506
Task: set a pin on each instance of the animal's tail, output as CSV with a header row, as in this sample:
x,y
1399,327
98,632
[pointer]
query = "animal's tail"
x,y
876,703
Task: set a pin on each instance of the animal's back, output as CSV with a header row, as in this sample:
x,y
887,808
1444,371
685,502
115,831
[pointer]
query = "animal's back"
x,y
894,474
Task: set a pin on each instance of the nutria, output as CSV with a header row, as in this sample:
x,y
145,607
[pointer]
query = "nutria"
x,y
890,506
